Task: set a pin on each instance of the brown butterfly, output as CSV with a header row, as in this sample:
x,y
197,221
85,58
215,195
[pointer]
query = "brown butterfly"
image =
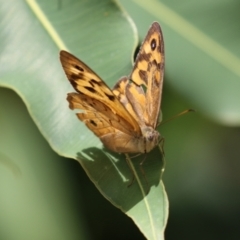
x,y
124,118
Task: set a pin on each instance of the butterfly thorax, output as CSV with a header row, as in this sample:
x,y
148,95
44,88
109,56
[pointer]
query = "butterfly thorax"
x,y
151,138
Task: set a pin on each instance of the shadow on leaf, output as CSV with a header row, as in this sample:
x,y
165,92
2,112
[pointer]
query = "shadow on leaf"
x,y
111,174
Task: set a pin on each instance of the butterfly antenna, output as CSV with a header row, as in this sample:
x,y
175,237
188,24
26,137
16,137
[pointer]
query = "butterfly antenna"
x,y
178,115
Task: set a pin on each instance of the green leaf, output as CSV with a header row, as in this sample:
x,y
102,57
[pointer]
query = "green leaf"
x,y
202,51
104,37
35,188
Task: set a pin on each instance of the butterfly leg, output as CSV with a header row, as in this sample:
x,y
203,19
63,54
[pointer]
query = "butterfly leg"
x,y
143,172
161,149
130,167
161,146
136,155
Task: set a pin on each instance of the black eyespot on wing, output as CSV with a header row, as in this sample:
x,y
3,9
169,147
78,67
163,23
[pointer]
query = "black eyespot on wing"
x,y
110,97
153,44
93,123
90,89
79,68
93,81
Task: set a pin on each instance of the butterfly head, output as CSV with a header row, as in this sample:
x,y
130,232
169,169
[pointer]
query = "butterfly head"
x,y
151,137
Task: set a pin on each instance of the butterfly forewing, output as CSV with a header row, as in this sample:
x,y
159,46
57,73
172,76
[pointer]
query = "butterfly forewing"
x,y
88,83
148,71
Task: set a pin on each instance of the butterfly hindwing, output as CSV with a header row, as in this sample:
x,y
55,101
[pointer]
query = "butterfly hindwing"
x,y
92,107
110,128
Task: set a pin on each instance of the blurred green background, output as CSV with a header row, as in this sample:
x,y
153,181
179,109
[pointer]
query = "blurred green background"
x,y
44,196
